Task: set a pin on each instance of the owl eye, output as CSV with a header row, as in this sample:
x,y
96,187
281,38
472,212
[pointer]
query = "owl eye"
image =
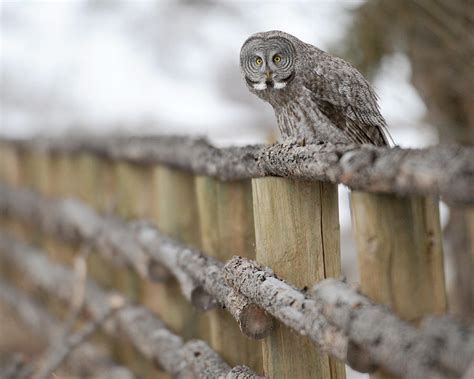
x,y
276,58
258,61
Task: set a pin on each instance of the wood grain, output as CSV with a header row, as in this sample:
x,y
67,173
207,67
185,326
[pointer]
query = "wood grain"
x,y
174,211
400,255
227,229
297,235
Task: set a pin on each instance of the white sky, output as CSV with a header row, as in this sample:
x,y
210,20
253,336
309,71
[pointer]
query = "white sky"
x,y
154,67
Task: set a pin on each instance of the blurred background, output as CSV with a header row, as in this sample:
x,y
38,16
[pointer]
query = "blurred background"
x,y
155,67
141,67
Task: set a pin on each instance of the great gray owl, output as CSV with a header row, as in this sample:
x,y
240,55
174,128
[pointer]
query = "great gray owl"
x,y
315,95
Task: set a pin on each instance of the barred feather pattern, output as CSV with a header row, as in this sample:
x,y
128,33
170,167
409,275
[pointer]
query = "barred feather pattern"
x,y
327,99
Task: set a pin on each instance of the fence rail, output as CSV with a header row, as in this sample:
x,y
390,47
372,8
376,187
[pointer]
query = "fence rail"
x,y
447,171
143,329
88,357
335,316
147,222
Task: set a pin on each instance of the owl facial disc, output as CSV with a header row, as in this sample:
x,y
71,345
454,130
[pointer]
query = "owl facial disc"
x,y
267,63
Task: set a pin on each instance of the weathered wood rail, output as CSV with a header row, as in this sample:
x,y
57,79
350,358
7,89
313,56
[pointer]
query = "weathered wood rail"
x,y
446,171
163,217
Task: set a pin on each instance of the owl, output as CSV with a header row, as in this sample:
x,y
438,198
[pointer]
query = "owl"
x,y
315,96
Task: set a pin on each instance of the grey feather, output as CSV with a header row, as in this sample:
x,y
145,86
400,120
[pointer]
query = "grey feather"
x,y
315,96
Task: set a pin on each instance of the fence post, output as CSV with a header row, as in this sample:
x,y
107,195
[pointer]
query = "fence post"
x,y
92,173
10,168
36,168
35,175
130,193
400,253
131,198
174,210
297,235
12,174
227,229
88,174
459,236
9,174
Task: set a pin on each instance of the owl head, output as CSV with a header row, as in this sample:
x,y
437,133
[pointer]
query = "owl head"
x,y
268,60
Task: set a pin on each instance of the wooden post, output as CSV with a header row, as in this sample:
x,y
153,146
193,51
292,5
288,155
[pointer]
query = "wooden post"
x,y
61,180
64,172
469,212
174,211
12,173
227,229
10,168
131,195
400,253
87,171
297,235
459,236
34,175
37,169
91,176
133,189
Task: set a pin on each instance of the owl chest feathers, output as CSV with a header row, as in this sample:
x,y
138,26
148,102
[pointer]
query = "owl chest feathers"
x,y
300,114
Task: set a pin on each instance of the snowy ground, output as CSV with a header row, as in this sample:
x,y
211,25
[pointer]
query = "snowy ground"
x,y
144,67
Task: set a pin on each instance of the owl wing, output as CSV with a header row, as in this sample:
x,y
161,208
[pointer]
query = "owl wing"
x,y
347,100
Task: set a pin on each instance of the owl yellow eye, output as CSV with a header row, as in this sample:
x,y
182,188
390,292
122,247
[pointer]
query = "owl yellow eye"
x,y
276,58
258,61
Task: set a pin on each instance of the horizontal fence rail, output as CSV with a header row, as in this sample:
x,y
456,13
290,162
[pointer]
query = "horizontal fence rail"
x,y
333,315
88,357
144,330
223,259
201,282
447,171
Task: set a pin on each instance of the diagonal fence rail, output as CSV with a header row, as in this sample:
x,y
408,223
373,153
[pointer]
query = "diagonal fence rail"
x,y
147,208
336,317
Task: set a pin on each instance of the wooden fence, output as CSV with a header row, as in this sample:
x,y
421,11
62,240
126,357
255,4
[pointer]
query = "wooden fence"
x,y
227,261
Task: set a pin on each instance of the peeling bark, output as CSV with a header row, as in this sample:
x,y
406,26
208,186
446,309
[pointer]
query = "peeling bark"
x,y
348,325
395,345
253,321
447,171
286,303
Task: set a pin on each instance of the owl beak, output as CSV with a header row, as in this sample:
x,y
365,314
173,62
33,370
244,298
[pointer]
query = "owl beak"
x,y
268,75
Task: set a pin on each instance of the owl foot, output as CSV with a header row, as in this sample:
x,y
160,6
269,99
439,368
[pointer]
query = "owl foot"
x,y
301,141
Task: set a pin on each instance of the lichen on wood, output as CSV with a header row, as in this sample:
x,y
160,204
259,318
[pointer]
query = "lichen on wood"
x,y
351,327
446,171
